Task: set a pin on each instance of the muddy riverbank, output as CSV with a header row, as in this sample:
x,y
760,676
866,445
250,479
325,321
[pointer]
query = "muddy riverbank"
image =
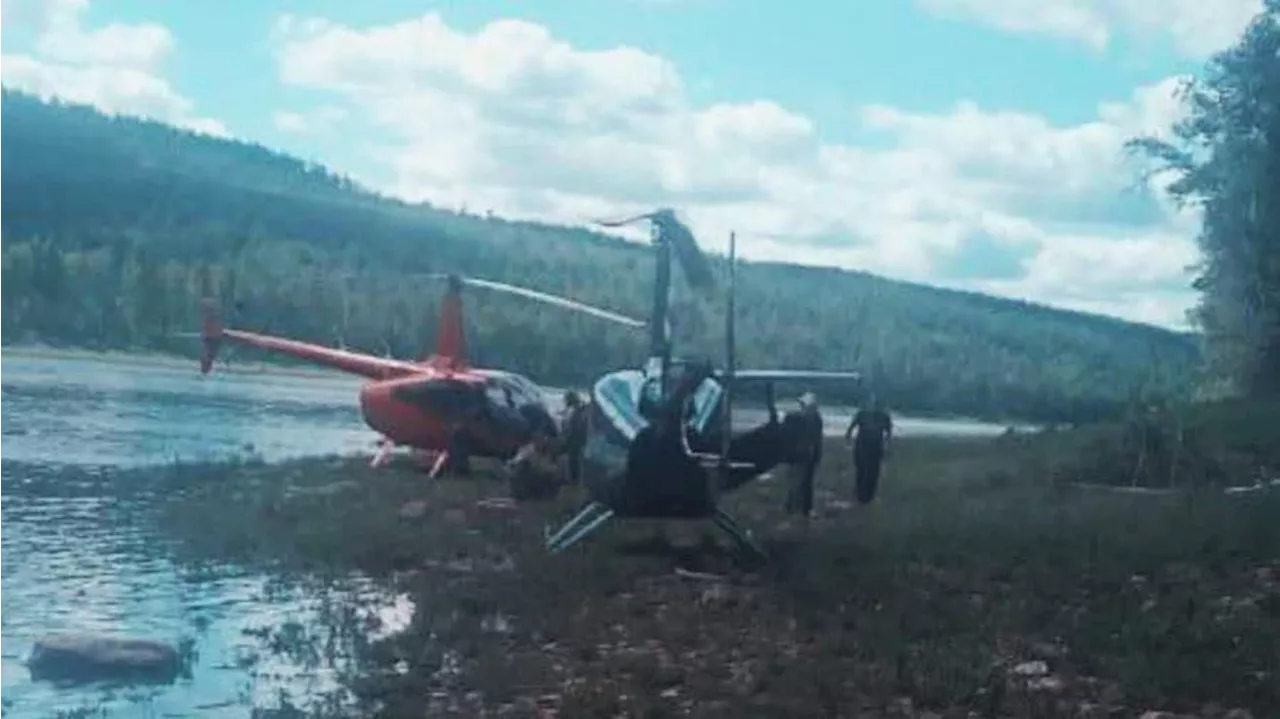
x,y
976,584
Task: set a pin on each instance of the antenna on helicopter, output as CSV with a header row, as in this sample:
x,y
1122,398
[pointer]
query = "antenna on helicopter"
x,y
726,379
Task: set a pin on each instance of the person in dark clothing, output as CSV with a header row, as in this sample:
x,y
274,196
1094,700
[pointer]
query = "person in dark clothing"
x,y
574,435
875,430
809,455
458,457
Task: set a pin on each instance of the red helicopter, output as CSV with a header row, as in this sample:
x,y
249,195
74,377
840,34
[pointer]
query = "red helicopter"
x,y
439,405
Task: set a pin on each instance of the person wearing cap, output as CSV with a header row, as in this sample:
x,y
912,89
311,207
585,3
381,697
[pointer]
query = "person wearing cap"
x,y
875,430
800,493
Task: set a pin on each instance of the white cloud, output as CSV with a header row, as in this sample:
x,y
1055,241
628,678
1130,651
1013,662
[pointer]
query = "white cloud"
x,y
318,120
513,120
1197,28
116,67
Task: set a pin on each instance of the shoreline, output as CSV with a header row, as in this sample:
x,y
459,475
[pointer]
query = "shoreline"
x,y
173,361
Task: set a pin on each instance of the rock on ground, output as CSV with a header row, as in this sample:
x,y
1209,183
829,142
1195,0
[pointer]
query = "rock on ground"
x,y
77,657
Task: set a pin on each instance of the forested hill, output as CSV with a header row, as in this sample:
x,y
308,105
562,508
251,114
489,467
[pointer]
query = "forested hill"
x,y
111,226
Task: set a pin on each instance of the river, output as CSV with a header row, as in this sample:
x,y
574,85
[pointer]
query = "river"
x,y
73,565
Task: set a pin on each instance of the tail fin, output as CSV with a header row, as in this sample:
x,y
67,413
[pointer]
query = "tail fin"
x,y
451,340
210,334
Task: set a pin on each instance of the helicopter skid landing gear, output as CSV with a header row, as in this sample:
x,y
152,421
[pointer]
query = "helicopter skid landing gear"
x,y
437,464
383,455
585,522
740,535
596,514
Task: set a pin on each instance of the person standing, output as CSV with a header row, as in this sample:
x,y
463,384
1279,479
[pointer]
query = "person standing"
x,y
874,431
574,434
809,455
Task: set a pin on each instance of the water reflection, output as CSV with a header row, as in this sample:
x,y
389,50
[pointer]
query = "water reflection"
x,y
78,561
82,564
82,411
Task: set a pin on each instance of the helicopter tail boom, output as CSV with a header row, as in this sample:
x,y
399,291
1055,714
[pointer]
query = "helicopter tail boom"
x,y
355,363
213,334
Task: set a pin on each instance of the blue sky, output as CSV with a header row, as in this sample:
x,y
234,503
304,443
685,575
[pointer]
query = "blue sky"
x,y
969,143
823,61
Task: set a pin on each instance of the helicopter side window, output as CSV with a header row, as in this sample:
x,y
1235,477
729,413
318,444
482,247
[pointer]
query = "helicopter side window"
x,y
525,390
706,400
499,395
523,393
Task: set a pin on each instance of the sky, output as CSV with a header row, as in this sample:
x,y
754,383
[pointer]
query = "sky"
x,y
974,144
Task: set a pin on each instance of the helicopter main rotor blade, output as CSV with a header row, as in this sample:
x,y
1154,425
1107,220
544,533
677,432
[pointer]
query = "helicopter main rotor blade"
x,y
554,300
692,260
629,220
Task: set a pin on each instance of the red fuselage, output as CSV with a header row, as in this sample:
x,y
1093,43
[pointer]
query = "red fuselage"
x,y
389,408
422,411
416,404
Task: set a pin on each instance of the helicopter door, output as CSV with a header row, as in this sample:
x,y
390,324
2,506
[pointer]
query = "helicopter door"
x,y
616,395
502,407
705,400
527,392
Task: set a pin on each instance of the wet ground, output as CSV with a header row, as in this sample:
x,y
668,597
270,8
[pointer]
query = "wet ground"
x,y
79,559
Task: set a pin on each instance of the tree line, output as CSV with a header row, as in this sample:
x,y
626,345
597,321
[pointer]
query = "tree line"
x,y
1225,158
115,227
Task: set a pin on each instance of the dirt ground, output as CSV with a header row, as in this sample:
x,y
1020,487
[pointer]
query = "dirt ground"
x,y
974,587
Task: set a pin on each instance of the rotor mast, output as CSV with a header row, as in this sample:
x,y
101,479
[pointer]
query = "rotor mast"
x,y
659,328
673,243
